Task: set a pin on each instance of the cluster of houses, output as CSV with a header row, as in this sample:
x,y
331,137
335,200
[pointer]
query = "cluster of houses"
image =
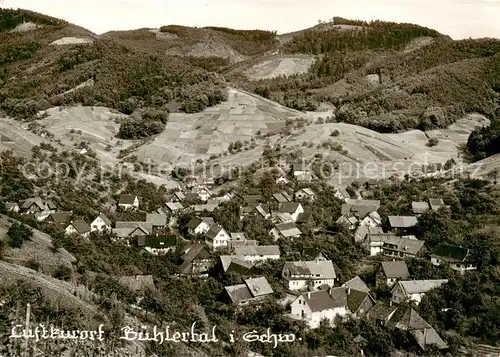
x,y
314,293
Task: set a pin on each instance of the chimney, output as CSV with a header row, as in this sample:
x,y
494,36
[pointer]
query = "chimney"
x,y
348,290
308,294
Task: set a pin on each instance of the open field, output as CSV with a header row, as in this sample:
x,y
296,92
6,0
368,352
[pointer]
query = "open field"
x,y
280,65
206,136
14,137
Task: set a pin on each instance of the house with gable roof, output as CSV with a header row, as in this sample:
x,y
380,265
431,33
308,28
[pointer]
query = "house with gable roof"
x,y
301,275
101,223
217,237
294,209
257,253
252,291
198,226
414,290
390,272
79,227
196,260
127,201
305,194
315,306
285,231
459,258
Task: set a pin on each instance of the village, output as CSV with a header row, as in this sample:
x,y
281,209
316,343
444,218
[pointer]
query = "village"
x,y
314,292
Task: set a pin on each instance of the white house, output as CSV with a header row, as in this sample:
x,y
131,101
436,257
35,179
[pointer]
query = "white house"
x,y
256,253
313,307
12,207
459,259
198,226
282,180
311,275
217,237
203,193
342,194
292,208
371,220
414,290
128,202
79,227
100,224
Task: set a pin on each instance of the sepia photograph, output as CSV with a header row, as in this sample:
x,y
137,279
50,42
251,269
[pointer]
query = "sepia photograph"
x,y
250,178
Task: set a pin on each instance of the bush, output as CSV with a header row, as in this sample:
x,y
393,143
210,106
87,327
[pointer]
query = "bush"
x,y
18,234
63,272
432,142
335,132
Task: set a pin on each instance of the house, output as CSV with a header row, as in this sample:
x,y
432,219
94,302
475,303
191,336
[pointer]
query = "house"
x,y
263,211
390,245
197,226
174,207
436,203
419,207
281,198
128,202
100,224
371,184
12,207
348,220
292,208
285,230
371,220
196,260
203,193
59,218
315,306
79,227
233,264
282,180
359,208
407,319
281,217
251,292
301,172
238,236
257,253
156,220
305,194
393,271
217,237
358,284
363,231
160,245
459,258
37,205
148,226
305,218
402,224
205,207
342,194
311,253
129,232
310,275
414,289
177,197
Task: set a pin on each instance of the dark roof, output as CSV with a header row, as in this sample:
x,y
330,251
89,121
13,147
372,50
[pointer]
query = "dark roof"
x,y
396,269
381,311
194,251
289,207
358,284
127,199
161,241
305,217
214,230
238,293
279,197
326,299
407,319
194,222
81,226
60,217
355,298
452,253
105,219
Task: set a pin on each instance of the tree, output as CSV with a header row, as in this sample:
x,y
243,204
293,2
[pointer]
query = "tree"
x,y
432,142
18,234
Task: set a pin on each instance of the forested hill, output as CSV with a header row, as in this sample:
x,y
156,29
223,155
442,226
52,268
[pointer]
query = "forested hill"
x,y
382,75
